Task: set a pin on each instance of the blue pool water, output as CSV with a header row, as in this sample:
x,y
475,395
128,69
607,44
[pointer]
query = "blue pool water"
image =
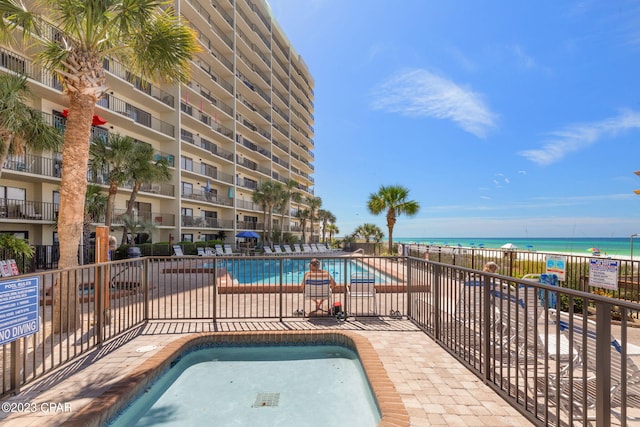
x,y
267,271
258,386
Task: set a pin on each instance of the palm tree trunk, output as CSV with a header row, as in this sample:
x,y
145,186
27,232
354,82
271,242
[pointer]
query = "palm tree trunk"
x,y
75,157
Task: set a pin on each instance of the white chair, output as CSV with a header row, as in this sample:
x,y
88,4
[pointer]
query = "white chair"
x,y
362,294
278,250
177,250
287,249
268,250
201,251
317,288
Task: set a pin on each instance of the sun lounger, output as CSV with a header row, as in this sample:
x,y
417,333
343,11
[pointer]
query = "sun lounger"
x,y
297,248
200,251
287,249
268,251
278,250
177,250
228,251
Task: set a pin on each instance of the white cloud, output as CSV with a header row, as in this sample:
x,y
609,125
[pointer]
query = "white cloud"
x,y
579,136
421,93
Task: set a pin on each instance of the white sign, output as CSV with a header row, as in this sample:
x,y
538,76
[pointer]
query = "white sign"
x,y
19,314
603,273
557,264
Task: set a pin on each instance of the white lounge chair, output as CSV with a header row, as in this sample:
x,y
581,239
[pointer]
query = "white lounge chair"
x,y
317,288
287,249
297,248
229,251
219,250
362,294
201,251
268,250
278,250
177,250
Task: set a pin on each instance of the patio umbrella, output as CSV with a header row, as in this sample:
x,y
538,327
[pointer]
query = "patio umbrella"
x,y
509,246
593,250
248,234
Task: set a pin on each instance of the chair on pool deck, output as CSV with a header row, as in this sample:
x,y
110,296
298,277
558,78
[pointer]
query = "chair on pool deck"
x,y
278,250
268,251
287,249
177,250
219,250
201,251
297,248
317,288
229,251
362,289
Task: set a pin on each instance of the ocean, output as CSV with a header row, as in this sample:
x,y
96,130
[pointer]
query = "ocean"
x,y
608,246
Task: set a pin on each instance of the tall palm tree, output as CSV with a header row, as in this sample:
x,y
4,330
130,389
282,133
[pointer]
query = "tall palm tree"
x,y
314,204
112,156
325,217
144,169
286,195
303,215
392,200
147,35
267,195
20,125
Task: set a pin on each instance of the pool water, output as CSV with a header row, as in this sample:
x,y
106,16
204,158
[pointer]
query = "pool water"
x,y
267,271
316,385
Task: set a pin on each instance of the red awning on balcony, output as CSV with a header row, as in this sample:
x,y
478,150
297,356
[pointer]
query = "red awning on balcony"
x,y
97,120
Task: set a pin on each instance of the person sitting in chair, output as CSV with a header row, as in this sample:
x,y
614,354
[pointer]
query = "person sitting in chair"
x,y
316,285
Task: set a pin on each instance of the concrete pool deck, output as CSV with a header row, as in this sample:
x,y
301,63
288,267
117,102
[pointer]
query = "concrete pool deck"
x,y
435,388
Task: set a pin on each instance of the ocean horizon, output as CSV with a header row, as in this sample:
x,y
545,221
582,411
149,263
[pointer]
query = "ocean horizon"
x,y
608,246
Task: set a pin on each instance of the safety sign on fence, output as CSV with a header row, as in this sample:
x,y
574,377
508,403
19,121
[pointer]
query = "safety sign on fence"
x,y
19,314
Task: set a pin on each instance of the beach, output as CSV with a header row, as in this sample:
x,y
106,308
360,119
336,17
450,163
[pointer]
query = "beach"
x,y
609,247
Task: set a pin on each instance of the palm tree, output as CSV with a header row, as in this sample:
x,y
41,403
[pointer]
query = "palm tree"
x,y
144,169
314,204
286,195
325,217
95,206
303,215
392,200
368,231
146,35
333,230
267,196
20,125
114,157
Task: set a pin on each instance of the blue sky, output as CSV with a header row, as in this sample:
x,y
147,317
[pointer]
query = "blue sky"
x,y
503,119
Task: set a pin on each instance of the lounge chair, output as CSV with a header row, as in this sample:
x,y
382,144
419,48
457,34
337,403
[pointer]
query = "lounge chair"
x,y
318,248
297,248
177,250
219,250
317,288
583,333
307,248
229,251
362,289
278,250
209,251
201,251
287,249
268,251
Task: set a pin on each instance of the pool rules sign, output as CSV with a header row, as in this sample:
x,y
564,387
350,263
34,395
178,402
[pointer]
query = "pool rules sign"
x,y
19,315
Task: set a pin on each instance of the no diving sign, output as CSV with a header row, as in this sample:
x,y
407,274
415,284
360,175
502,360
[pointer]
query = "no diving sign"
x,y
19,315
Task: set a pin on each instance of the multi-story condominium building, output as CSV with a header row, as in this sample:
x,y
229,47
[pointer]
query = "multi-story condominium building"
x,y
245,117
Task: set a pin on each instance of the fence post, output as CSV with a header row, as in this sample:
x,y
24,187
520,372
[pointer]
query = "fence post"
x,y
603,364
215,290
145,284
409,281
15,366
486,325
98,315
436,299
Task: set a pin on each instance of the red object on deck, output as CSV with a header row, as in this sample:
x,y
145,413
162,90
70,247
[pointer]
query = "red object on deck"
x,y
97,120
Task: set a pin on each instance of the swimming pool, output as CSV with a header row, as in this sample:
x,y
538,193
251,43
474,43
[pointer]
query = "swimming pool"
x,y
299,385
268,271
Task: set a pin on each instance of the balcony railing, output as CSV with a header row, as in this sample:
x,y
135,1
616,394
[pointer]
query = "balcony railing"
x,y
29,210
138,115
